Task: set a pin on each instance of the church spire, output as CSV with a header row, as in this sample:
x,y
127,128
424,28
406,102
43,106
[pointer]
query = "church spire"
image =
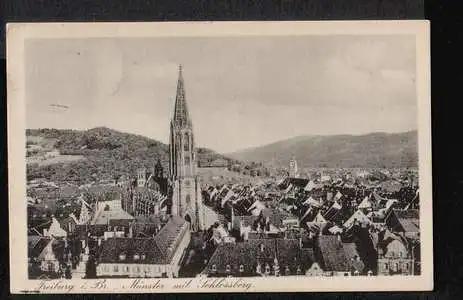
x,y
181,117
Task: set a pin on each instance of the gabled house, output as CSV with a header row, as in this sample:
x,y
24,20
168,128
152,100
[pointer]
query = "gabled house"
x,y
146,257
42,260
405,222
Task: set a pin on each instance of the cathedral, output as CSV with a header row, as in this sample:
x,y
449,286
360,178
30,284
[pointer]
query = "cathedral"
x,y
185,182
151,193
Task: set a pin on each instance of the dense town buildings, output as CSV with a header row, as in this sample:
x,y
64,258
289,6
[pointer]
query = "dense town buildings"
x,y
342,222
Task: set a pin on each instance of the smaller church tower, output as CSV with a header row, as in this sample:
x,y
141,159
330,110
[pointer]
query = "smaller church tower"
x,y
141,177
293,172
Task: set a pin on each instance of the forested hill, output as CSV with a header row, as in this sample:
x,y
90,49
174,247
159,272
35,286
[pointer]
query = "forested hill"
x,y
102,153
383,150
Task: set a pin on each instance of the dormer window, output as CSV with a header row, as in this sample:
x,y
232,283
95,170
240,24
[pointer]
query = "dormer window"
x,y
143,256
136,257
122,256
370,273
287,270
227,268
258,268
356,273
267,269
298,271
214,268
241,268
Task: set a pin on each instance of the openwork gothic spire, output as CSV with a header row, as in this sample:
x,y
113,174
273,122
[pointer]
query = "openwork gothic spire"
x,y
181,117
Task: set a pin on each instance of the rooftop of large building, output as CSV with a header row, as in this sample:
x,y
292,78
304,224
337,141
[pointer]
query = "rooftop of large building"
x,y
157,250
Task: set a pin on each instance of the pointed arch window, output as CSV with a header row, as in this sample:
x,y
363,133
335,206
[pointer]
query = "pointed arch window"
x,y
186,142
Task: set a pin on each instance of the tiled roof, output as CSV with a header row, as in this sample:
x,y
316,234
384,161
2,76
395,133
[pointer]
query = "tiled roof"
x,y
289,254
408,219
111,214
350,249
169,235
36,244
390,186
332,254
157,250
146,248
299,182
247,253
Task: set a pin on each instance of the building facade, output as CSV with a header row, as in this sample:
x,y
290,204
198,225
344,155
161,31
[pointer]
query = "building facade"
x,y
186,192
160,256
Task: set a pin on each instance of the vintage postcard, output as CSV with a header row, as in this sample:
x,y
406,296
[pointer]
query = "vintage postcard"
x,y
219,157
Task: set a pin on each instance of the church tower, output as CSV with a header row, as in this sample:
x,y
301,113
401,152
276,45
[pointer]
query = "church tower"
x,y
186,193
293,172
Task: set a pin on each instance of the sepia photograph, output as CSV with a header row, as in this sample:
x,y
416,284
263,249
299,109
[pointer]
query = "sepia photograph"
x,y
218,157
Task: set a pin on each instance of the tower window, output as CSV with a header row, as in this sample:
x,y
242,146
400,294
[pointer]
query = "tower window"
x,y
186,142
187,160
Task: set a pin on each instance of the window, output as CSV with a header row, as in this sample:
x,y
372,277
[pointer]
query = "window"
x,y
356,273
186,142
187,160
188,199
267,269
116,269
214,268
122,257
405,266
386,267
287,270
241,268
126,269
227,268
137,269
143,256
136,257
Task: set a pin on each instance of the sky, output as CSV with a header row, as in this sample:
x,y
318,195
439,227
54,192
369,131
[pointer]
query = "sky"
x,y
241,91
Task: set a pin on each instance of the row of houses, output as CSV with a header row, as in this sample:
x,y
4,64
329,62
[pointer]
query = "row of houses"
x,y
329,211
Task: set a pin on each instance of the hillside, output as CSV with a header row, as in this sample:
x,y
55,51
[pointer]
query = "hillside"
x,y
346,151
98,153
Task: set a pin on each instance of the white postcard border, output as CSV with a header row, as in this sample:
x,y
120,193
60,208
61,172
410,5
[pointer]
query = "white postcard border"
x,y
17,33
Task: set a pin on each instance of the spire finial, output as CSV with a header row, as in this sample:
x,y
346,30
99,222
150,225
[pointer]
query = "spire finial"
x,y
180,67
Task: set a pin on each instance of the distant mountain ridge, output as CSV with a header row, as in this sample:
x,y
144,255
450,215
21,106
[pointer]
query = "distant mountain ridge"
x,y
371,150
107,153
